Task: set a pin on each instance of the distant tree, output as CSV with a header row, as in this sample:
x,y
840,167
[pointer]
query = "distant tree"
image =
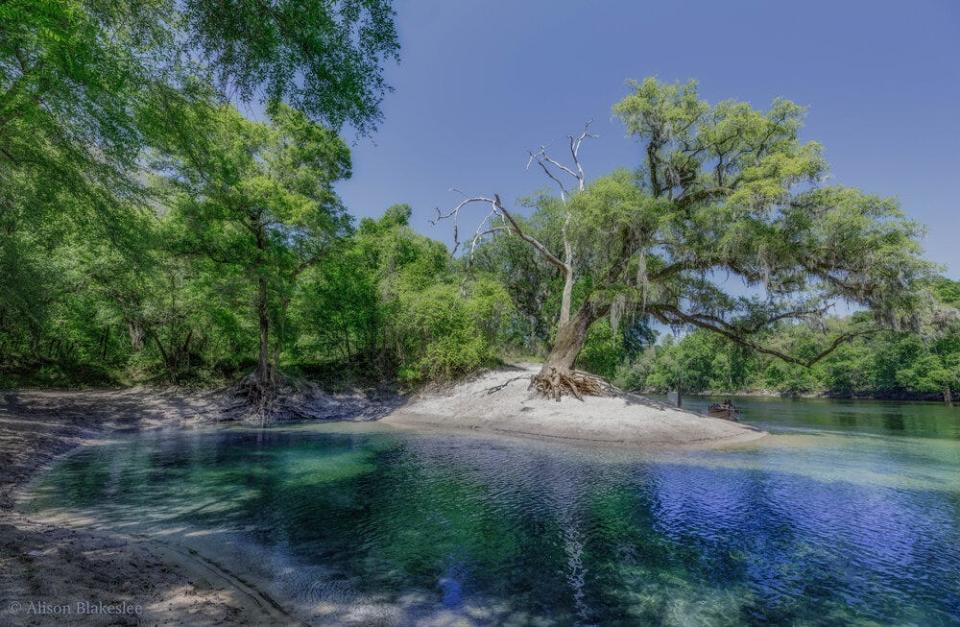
x,y
930,373
937,369
912,363
725,190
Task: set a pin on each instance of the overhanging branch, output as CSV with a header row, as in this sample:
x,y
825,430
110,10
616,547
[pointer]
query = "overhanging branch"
x,y
669,314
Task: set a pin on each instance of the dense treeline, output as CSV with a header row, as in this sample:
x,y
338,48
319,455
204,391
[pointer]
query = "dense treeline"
x,y
637,354
881,365
383,302
151,232
142,216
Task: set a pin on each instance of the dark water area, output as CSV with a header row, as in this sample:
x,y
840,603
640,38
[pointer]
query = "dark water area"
x,y
848,514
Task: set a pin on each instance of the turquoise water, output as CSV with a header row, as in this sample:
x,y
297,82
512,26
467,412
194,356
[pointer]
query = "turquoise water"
x,y
848,514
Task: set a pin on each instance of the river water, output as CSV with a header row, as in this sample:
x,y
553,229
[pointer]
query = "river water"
x,y
848,514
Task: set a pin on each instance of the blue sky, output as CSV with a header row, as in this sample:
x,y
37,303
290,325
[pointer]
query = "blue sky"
x,y
480,82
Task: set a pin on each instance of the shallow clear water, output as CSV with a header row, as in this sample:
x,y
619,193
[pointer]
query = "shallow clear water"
x,y
849,513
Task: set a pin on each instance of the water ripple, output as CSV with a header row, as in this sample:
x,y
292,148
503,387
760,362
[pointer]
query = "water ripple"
x,y
807,529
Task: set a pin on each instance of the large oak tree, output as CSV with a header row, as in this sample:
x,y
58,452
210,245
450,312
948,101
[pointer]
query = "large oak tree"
x,y
724,192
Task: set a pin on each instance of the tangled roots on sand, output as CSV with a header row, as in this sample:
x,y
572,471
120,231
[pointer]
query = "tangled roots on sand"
x,y
554,383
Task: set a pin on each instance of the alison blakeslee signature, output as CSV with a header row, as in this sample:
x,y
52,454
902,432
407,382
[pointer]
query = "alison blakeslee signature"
x,y
75,608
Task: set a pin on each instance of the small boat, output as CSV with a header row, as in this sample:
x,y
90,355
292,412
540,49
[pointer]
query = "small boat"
x,y
725,410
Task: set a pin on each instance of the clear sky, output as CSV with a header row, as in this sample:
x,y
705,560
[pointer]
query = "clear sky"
x,y
482,81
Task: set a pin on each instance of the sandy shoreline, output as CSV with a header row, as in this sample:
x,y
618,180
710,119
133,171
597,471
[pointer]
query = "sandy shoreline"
x,y
76,570
498,402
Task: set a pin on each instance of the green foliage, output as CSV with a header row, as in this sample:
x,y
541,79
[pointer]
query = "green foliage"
x,y
257,200
103,270
931,373
695,363
150,231
86,86
887,365
532,286
603,351
946,292
726,192
850,371
391,299
448,330
733,189
323,57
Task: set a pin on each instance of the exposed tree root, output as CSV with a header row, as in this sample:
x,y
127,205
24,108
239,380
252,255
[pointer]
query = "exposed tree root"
x,y
284,398
553,383
258,394
259,399
264,400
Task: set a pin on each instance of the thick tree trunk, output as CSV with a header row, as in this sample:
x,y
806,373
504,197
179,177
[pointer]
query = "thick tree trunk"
x,y
263,358
262,388
947,395
571,337
558,376
566,298
165,355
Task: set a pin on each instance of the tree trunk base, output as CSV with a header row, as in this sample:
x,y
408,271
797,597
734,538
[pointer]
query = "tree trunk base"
x,y
258,394
278,398
553,382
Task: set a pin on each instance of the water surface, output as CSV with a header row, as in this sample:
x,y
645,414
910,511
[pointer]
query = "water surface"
x,y
849,513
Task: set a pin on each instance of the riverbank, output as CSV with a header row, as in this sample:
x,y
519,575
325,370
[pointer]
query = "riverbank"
x,y
53,574
498,402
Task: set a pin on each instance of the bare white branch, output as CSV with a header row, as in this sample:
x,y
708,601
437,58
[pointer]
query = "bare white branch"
x,y
486,226
575,143
539,157
556,172
554,168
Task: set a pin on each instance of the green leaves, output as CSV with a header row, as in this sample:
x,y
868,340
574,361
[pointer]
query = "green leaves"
x,y
666,110
68,134
882,365
87,86
740,194
322,57
390,300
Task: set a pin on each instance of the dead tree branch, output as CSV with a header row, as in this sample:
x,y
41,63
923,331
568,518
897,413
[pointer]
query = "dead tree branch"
x,y
499,219
488,225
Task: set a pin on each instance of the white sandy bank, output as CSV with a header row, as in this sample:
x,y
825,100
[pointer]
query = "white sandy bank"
x,y
626,420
